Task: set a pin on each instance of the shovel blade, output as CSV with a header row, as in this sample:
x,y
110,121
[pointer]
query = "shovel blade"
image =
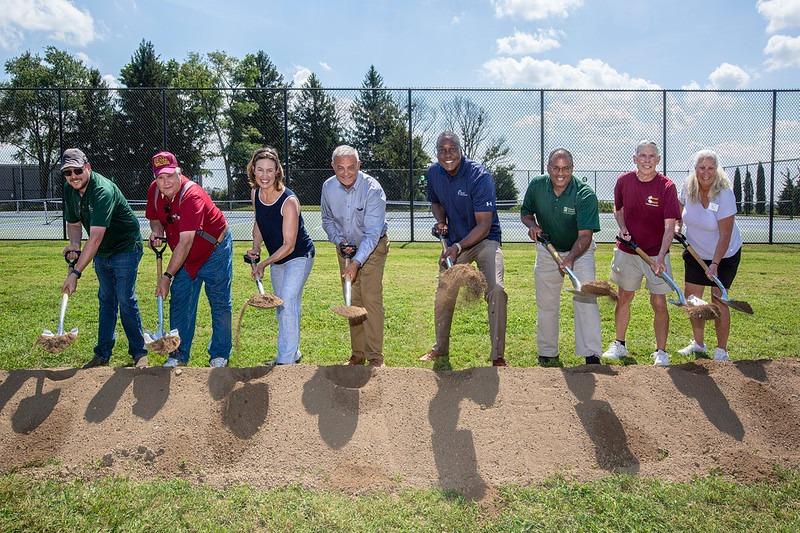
x,y
740,305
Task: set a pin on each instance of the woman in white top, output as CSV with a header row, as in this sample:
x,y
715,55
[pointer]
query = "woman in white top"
x,y
709,208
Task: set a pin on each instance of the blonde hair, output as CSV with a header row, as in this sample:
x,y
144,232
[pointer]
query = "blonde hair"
x,y
265,153
693,188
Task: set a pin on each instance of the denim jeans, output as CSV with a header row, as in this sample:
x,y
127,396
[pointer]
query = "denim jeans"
x,y
116,276
288,280
216,273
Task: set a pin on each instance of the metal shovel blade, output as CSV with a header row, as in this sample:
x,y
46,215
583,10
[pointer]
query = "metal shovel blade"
x,y
739,305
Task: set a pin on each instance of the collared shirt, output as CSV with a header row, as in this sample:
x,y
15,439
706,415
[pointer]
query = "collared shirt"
x,y
356,215
647,204
103,205
470,191
561,217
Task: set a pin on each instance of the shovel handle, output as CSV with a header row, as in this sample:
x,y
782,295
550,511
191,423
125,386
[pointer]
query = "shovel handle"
x,y
348,285
444,249
63,313
159,250
347,250
72,262
681,238
253,261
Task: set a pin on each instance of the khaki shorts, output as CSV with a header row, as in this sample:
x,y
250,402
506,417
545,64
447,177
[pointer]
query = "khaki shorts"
x,y
627,271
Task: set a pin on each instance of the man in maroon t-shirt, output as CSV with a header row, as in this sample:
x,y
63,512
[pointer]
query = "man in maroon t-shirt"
x,y
195,229
645,208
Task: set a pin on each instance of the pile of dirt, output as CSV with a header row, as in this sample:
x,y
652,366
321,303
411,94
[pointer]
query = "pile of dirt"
x,y
360,429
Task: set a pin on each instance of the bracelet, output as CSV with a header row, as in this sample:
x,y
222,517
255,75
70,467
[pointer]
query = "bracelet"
x,y
458,247
714,263
168,276
76,272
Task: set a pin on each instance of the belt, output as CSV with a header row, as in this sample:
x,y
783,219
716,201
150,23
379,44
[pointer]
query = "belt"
x,y
211,239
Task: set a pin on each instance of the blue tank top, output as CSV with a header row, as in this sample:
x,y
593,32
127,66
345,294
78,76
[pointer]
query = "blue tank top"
x,y
270,224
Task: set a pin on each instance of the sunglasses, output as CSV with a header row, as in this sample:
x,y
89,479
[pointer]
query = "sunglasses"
x,y
68,173
170,216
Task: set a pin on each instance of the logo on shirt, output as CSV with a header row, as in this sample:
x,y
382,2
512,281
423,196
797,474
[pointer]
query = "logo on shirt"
x,y
652,201
569,210
462,193
488,204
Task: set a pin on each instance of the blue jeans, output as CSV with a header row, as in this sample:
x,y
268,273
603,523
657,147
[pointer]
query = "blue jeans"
x,y
116,276
216,273
288,280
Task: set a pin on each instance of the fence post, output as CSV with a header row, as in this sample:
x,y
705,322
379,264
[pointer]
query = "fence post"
x,y
163,119
60,151
541,131
664,131
772,168
286,135
411,190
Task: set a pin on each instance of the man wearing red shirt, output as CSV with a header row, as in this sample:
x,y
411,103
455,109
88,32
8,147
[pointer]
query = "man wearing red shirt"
x,y
195,229
645,208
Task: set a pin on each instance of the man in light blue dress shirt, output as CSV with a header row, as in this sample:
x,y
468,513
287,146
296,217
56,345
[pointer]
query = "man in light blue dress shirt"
x,y
353,209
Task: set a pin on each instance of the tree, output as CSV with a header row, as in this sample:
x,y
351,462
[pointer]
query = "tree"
x,y
30,109
748,192
92,116
224,69
761,195
737,189
314,126
786,198
471,123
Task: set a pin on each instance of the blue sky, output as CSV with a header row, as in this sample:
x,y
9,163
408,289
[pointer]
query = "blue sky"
x,y
442,43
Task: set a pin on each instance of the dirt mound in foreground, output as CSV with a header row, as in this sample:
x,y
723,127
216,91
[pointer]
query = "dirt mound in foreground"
x,y
360,429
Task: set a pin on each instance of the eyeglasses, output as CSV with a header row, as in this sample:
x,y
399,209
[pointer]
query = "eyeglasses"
x,y
69,172
168,211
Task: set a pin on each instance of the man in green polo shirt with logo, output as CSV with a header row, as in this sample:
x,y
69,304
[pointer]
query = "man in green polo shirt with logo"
x,y
566,210
115,246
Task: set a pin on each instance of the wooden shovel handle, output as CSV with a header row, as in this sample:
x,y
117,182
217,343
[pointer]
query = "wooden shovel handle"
x,y
632,244
682,239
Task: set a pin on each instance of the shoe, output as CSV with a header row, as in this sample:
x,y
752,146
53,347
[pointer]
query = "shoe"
x,y
692,347
218,362
142,362
547,361
172,362
500,361
355,361
615,351
721,355
376,363
96,361
432,355
660,358
592,360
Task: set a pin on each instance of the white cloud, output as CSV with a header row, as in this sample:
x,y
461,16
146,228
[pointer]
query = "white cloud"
x,y
524,43
111,81
783,52
59,19
455,20
534,9
692,85
780,13
84,57
300,75
587,74
326,67
727,76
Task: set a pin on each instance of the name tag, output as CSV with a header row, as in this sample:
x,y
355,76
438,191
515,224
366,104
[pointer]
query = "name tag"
x,y
569,210
713,207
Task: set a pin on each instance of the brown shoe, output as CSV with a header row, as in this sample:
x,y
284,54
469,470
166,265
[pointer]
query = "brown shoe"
x,y
432,355
142,362
499,362
355,360
376,363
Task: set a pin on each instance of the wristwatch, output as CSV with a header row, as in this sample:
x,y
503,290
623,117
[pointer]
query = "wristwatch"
x,y
76,272
458,247
168,276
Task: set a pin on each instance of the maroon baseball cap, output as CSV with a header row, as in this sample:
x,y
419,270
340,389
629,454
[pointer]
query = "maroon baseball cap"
x,y
164,162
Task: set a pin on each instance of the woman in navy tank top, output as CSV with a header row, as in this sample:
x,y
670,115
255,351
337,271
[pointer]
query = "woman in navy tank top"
x,y
279,224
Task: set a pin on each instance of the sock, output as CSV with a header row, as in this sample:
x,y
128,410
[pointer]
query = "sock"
x,y
621,342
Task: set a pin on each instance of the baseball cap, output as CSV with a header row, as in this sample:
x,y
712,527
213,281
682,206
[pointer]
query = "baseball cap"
x,y
73,157
164,162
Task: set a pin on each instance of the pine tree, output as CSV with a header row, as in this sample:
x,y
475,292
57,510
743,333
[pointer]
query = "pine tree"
x,y
786,198
737,189
314,132
93,123
761,195
748,192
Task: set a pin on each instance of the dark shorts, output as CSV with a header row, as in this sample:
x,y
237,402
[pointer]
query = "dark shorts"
x,y
726,271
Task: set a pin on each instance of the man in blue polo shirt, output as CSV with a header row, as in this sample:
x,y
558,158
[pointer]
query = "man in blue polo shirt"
x,y
566,210
462,196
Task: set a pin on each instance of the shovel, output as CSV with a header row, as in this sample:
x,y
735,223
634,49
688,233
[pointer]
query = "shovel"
x,y
592,289
158,341
696,308
461,275
739,305
56,342
349,311
441,235
262,300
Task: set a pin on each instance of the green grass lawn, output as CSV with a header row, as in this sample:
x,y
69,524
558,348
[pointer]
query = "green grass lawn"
x,y
33,273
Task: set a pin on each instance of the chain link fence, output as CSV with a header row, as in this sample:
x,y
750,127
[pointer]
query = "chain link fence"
x,y
213,132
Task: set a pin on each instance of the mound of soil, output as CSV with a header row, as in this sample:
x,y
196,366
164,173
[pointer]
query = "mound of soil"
x,y
360,429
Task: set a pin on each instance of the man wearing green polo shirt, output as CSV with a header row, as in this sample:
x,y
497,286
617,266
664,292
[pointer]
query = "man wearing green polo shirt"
x,y
115,246
566,210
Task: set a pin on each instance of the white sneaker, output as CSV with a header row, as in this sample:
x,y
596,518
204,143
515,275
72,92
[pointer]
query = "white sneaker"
x,y
692,347
218,362
615,351
721,355
173,362
660,358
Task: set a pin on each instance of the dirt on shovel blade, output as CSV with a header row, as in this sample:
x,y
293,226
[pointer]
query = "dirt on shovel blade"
x,y
351,312
56,343
703,312
165,345
600,288
467,276
265,301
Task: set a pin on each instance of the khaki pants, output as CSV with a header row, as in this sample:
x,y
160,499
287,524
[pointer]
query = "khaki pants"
x,y
366,338
549,281
488,255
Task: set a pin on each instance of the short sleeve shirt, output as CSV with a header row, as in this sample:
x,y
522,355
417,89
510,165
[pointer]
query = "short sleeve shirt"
x,y
470,191
103,205
561,217
190,210
702,223
647,205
